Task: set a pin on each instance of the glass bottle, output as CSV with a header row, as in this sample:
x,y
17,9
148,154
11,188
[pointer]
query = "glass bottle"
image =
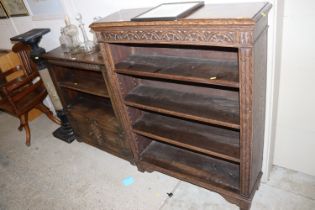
x,y
93,32
88,45
72,32
64,40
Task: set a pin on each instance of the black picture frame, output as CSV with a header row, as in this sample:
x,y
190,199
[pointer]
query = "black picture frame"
x,y
169,17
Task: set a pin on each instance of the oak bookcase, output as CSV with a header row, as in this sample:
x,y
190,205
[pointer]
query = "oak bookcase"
x,y
191,93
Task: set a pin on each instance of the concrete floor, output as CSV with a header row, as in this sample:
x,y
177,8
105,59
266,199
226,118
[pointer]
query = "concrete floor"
x,y
54,175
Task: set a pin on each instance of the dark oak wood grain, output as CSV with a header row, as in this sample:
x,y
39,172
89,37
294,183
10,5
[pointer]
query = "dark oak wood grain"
x,y
80,84
182,69
259,103
192,164
88,86
215,141
96,124
205,108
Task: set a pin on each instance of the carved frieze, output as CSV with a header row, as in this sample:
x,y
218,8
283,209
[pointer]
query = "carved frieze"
x,y
178,35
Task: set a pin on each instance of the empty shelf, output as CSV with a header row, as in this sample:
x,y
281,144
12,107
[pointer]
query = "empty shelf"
x,y
198,167
210,109
219,142
206,71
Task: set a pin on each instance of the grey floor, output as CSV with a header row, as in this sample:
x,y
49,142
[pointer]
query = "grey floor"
x,y
54,175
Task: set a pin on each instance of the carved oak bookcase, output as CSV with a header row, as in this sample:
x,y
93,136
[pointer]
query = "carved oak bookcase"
x,y
191,93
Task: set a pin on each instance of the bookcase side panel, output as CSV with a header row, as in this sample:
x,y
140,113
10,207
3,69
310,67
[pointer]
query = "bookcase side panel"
x,y
253,63
117,97
259,102
246,117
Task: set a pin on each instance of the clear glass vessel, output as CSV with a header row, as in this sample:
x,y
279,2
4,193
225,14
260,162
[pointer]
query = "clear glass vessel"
x,y
89,46
65,41
72,32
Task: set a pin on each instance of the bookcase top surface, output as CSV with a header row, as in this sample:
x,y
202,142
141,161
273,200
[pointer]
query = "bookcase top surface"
x,y
59,54
240,13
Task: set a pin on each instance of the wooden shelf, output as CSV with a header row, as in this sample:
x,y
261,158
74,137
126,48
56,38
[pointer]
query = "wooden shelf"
x,y
190,164
216,110
93,87
219,142
205,71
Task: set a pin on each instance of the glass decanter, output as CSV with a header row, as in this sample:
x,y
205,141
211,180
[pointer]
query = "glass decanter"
x,y
72,32
88,45
65,41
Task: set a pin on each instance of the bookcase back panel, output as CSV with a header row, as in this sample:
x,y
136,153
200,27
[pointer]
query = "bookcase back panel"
x,y
204,64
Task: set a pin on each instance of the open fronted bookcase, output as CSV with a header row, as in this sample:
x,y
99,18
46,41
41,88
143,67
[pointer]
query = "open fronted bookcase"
x,y
184,109
191,94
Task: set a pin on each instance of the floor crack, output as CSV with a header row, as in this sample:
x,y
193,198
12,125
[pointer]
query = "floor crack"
x,y
173,191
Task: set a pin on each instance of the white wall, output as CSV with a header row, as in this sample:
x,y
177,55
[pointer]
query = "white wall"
x,y
6,31
89,9
92,8
295,135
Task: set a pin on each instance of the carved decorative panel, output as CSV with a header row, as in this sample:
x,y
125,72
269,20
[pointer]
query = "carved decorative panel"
x,y
246,38
178,35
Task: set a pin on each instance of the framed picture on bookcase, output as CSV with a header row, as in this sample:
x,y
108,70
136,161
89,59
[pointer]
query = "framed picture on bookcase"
x,y
169,11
